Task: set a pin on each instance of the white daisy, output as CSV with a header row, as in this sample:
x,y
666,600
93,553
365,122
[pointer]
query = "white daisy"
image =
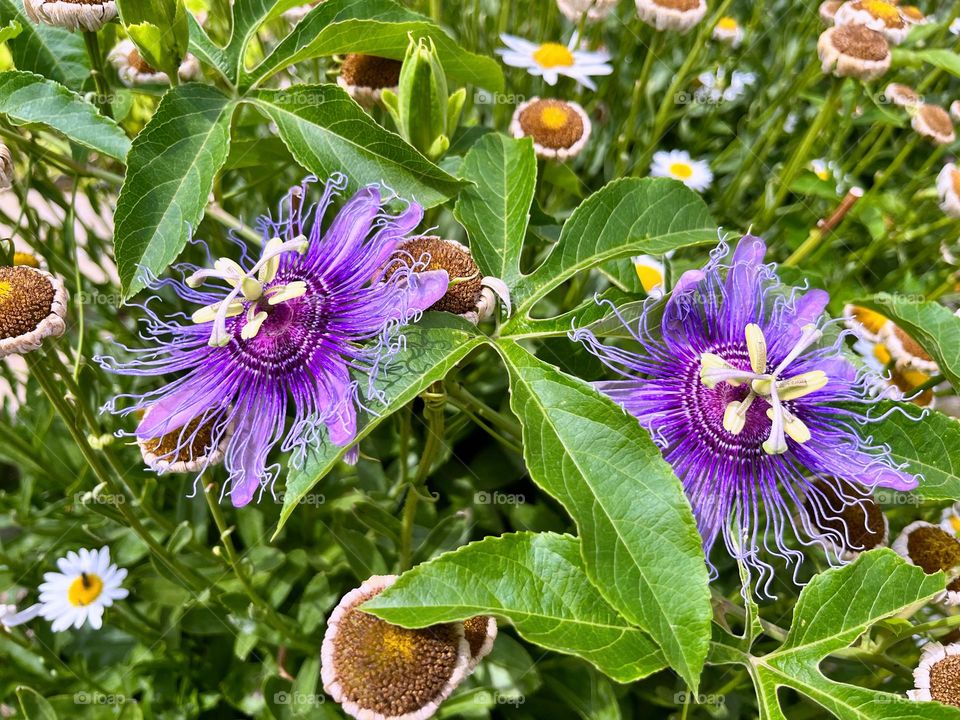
x,y
950,519
678,164
550,60
651,273
955,27
728,30
86,584
825,169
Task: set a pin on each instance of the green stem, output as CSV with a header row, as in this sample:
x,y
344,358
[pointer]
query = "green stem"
x,y
802,153
92,42
873,147
637,99
434,401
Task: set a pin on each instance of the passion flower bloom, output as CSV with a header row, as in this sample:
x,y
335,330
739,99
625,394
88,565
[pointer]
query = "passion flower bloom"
x,y
86,585
280,335
735,386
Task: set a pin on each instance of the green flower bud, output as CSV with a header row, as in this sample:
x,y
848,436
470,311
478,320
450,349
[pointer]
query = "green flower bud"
x,y
425,113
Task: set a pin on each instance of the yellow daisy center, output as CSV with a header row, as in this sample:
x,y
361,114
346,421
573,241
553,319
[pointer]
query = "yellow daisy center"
x,y
5,289
22,258
553,118
955,523
881,353
681,170
882,10
551,55
85,590
823,174
650,278
727,23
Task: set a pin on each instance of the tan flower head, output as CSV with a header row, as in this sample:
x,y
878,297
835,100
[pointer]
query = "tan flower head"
x,y
902,95
913,15
90,15
559,129
933,549
365,77
573,10
905,351
676,15
854,51
934,123
854,517
134,71
948,185
187,449
379,671
937,677
469,294
480,632
884,17
33,304
828,10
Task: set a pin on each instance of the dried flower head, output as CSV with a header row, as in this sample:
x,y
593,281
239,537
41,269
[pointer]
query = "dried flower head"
x,y
932,549
857,522
134,71
677,15
948,185
280,335
469,294
6,168
902,95
559,129
89,15
33,305
748,406
828,10
905,351
884,17
187,449
379,671
937,677
481,632
596,10
854,51
365,77
934,123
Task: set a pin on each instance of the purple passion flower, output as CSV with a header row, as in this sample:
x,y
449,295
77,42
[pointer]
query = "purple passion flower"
x,y
281,334
754,413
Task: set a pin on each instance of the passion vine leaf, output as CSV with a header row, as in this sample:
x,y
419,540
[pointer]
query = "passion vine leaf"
x,y
29,98
327,132
836,608
929,445
932,325
53,52
495,207
375,27
535,581
639,539
433,347
626,217
206,50
170,172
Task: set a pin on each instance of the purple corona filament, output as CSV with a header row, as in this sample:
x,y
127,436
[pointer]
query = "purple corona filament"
x,y
287,333
755,413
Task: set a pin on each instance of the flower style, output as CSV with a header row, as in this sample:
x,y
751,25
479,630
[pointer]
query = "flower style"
x,y
551,60
744,401
86,585
281,333
678,164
